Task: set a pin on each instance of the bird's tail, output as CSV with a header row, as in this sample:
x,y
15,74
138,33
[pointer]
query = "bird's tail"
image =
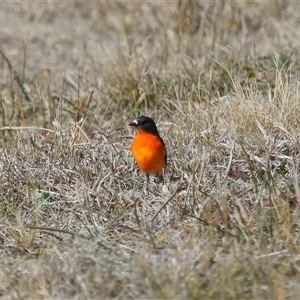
x,y
160,178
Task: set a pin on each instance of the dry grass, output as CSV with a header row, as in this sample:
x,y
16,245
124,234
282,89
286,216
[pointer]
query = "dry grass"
x,y
222,81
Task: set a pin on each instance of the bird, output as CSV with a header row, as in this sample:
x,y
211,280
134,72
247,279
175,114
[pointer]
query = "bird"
x,y
148,149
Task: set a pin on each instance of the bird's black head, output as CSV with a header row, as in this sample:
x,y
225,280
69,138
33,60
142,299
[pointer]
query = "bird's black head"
x,y
145,123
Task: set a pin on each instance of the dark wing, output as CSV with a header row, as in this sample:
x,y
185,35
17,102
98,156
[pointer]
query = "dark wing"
x,y
165,152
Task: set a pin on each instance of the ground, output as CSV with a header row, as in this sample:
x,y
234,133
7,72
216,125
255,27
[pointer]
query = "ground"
x,y
221,80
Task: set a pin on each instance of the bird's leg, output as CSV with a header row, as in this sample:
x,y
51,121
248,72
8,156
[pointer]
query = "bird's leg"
x,y
147,183
165,176
166,182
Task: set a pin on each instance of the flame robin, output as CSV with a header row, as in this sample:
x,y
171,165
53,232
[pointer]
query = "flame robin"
x,y
148,148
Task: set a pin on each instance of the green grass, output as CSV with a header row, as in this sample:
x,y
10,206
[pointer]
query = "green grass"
x,y
220,80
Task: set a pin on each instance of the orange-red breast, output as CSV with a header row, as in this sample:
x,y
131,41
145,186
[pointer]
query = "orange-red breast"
x,y
148,148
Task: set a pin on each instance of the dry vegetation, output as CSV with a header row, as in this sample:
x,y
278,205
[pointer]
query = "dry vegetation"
x,y
222,81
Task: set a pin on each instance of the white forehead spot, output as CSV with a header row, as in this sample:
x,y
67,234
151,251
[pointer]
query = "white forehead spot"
x,y
135,121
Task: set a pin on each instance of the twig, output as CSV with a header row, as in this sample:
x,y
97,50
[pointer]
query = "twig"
x,y
169,199
18,128
16,77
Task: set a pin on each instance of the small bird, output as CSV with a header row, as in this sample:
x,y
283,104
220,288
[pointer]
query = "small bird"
x,y
148,148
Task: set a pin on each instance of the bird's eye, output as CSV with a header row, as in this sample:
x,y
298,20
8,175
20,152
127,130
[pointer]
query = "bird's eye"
x,y
144,122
